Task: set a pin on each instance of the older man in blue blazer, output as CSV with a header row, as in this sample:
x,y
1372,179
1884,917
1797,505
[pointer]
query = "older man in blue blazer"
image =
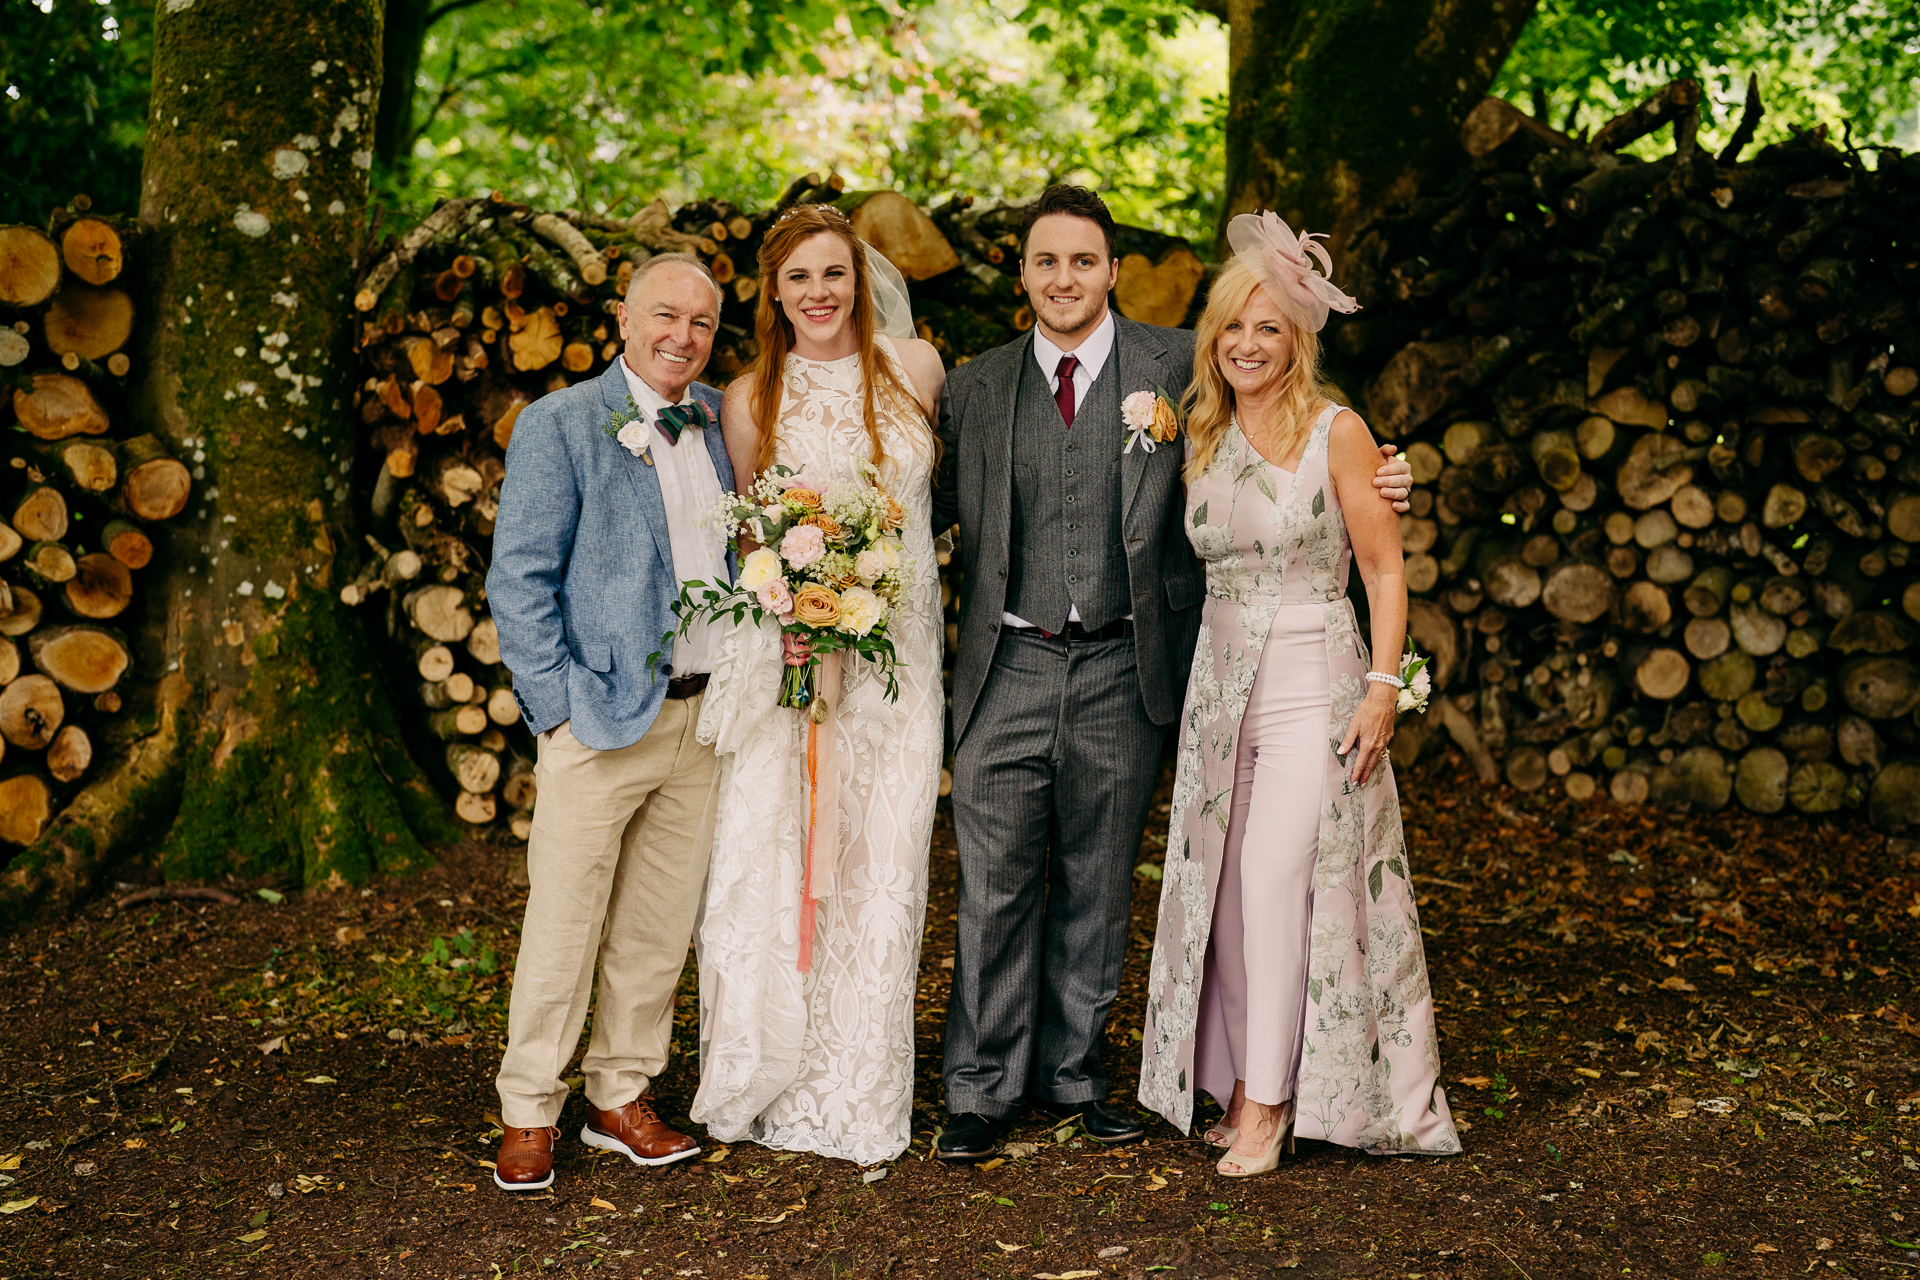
x,y
598,530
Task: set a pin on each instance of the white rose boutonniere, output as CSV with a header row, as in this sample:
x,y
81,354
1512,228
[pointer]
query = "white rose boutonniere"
x,y
1151,420
631,431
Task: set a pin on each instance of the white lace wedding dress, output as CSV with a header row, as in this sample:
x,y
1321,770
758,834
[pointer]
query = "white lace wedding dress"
x,y
823,1061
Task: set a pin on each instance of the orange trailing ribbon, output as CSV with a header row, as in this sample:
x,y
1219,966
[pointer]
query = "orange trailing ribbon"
x,y
823,776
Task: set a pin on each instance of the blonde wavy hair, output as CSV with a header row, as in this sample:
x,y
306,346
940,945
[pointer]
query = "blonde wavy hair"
x,y
1209,402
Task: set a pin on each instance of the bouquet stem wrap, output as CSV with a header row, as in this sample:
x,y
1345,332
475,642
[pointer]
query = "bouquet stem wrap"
x,y
823,820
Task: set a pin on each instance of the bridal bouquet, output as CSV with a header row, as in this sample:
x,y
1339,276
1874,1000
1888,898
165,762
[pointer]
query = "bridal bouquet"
x,y
830,565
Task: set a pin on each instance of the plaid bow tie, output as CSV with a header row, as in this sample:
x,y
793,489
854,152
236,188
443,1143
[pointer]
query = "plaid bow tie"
x,y
676,418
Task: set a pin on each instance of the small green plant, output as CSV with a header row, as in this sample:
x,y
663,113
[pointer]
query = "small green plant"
x,y
1713,1259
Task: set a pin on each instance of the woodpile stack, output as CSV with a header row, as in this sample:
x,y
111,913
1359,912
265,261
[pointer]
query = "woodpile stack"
x,y
1662,417
486,305
80,505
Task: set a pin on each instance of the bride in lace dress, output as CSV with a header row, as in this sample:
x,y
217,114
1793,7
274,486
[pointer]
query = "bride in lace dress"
x,y
822,1060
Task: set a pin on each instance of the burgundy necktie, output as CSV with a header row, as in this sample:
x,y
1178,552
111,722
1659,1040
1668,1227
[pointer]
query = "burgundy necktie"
x,y
1064,395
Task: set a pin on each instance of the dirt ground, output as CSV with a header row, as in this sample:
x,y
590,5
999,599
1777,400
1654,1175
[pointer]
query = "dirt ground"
x,y
1683,1046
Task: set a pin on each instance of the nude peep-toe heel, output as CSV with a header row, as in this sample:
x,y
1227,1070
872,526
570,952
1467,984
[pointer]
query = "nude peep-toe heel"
x,y
1221,1135
1268,1161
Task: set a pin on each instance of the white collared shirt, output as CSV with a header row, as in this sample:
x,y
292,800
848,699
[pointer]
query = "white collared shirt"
x,y
1093,355
689,486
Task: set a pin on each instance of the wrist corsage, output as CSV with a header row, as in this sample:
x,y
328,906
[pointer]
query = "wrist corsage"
x,y
1416,682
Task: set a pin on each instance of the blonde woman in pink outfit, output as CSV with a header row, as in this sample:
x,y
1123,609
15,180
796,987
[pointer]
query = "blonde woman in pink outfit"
x,y
1288,977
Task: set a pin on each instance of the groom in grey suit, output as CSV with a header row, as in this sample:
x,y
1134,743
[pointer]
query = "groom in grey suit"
x,y
1082,608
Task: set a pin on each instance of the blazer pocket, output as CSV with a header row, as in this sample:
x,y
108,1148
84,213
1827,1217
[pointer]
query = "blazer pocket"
x,y
1183,593
596,657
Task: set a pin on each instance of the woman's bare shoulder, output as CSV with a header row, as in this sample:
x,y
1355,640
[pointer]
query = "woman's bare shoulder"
x,y
922,361
736,404
1349,436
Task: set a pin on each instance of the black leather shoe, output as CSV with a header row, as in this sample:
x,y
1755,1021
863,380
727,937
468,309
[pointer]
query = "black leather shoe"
x,y
970,1138
1103,1123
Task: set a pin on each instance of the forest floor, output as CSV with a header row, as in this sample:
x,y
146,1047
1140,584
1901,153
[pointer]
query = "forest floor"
x,y
1676,1047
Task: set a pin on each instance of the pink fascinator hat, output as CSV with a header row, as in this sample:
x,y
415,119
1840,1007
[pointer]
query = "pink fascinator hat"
x,y
1283,264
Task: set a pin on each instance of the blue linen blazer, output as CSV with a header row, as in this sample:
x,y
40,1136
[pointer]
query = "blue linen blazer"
x,y
582,582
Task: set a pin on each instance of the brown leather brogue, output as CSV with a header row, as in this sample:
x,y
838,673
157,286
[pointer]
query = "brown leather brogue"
x,y
525,1162
637,1133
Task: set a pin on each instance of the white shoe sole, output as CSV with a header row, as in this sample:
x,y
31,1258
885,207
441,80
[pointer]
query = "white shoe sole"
x,y
607,1143
523,1186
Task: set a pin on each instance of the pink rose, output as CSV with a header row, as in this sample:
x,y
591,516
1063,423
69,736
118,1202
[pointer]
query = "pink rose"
x,y
774,596
802,545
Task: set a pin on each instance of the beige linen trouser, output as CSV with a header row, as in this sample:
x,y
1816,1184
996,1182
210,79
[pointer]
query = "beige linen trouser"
x,y
616,862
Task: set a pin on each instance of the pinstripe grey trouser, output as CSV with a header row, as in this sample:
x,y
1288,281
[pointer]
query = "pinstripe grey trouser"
x,y
1051,787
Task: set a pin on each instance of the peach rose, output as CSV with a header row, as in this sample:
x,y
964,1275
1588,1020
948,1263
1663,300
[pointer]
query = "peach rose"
x,y
826,524
896,514
1166,424
816,606
804,498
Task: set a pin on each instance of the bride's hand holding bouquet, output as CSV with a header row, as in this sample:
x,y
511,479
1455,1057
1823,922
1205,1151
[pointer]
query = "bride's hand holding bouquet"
x,y
827,562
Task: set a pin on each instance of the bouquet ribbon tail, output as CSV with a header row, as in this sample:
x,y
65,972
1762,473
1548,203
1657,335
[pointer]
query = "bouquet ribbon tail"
x,y
823,804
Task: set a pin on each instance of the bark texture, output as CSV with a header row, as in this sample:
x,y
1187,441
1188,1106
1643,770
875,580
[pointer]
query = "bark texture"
x,y
268,722
1339,106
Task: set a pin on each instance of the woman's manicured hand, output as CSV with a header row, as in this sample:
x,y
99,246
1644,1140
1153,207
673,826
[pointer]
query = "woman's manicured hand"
x,y
1371,731
795,649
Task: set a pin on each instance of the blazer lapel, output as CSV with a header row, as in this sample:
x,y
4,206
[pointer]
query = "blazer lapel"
x,y
1137,357
640,471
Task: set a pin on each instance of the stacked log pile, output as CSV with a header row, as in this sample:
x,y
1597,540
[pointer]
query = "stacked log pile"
x,y
1662,417
487,305
80,505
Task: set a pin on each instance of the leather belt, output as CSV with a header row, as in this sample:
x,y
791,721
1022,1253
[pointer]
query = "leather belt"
x,y
681,687
1078,634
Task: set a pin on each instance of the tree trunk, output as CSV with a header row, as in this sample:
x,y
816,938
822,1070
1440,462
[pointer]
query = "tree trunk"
x,y
269,737
1324,140
401,40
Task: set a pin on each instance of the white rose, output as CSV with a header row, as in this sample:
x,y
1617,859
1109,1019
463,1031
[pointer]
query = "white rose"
x,y
633,438
869,565
860,610
761,567
1137,410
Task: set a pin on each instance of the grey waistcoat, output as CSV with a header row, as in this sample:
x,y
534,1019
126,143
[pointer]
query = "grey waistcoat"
x,y
1066,549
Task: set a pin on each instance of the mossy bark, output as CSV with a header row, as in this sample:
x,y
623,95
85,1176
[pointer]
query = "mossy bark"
x,y
253,201
1337,107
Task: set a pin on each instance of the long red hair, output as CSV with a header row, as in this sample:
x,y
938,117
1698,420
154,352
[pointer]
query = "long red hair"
x,y
773,332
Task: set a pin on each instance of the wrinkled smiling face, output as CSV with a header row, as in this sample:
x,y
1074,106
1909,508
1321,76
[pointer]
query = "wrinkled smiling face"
x,y
815,289
670,328
1067,273
1255,350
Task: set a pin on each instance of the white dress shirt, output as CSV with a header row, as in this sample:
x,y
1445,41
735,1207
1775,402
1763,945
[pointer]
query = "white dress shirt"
x,y
689,486
1093,355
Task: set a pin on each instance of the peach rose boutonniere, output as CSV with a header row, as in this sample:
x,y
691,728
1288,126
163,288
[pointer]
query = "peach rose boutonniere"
x,y
1151,420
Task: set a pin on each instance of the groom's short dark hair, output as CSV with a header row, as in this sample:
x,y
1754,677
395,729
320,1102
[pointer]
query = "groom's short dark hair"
x,y
1077,202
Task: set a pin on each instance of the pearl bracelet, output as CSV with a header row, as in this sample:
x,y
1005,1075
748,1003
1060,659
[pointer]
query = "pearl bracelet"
x,y
1386,678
